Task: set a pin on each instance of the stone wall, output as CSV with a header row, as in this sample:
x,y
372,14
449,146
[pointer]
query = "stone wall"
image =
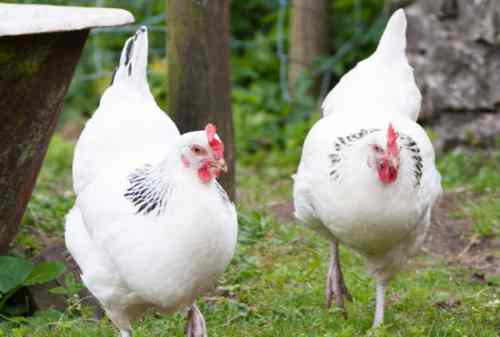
x,y
454,46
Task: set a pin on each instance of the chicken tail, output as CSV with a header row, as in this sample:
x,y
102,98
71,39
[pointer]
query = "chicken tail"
x,y
133,61
392,44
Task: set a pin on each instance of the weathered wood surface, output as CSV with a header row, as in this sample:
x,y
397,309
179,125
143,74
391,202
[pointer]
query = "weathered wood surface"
x,y
36,19
36,71
198,71
39,49
40,296
308,39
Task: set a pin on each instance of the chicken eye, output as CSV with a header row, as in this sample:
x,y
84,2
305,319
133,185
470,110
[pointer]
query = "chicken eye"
x,y
198,150
377,148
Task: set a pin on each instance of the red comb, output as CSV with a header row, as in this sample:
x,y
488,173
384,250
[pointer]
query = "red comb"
x,y
392,136
216,145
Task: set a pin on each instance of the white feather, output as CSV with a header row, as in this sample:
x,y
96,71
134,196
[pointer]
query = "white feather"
x,y
168,259
133,258
358,209
128,122
385,223
381,84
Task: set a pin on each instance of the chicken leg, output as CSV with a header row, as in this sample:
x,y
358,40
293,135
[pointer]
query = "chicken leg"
x,y
196,326
335,284
125,333
379,309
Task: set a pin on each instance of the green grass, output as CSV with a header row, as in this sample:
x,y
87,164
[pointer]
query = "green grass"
x,y
477,175
274,285
485,214
477,171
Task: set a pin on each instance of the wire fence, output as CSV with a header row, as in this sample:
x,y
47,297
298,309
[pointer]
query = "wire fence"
x,y
103,60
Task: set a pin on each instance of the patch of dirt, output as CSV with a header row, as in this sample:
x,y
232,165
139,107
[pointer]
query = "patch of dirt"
x,y
448,237
454,239
282,210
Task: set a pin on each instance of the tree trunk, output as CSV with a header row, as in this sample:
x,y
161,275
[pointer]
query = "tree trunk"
x,y
308,38
198,71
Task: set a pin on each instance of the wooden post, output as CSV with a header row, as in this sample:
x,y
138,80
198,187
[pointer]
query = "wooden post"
x,y
308,38
198,71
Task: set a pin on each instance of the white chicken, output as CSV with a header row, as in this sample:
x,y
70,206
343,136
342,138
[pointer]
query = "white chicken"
x,y
151,227
367,176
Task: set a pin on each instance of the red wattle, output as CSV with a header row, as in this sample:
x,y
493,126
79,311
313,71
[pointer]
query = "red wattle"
x,y
204,173
387,173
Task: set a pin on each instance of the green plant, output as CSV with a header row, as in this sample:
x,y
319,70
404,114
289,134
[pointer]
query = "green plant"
x,y
71,290
16,273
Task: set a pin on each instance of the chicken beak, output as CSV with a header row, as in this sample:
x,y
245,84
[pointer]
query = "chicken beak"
x,y
221,163
395,162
